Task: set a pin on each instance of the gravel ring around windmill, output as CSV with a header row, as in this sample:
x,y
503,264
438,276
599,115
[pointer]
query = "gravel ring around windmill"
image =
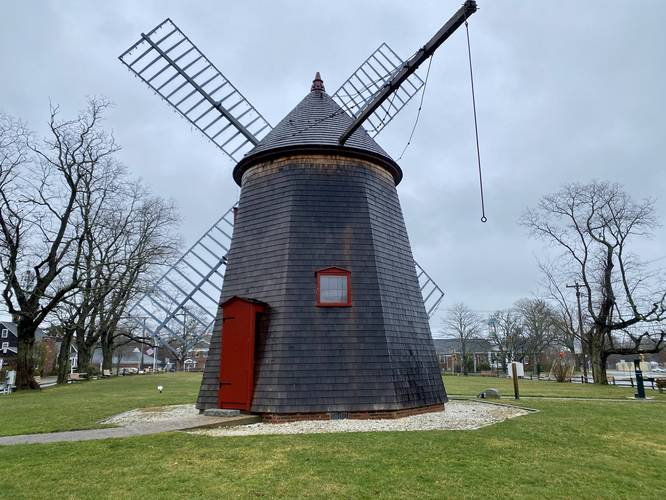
x,y
459,415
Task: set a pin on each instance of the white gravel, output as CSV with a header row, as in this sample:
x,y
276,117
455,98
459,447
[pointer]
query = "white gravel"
x,y
153,414
458,415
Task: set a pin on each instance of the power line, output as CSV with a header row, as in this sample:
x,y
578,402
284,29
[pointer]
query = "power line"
x,y
418,113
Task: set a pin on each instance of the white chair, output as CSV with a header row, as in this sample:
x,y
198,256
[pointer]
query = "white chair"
x,y
7,384
10,382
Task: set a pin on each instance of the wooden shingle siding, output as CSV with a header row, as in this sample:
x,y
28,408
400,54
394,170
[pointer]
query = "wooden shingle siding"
x,y
208,393
304,213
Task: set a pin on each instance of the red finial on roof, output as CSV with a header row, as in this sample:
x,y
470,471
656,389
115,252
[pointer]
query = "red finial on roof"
x,y
317,83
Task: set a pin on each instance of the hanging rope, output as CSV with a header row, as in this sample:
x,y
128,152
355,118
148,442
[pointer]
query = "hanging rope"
x,y
418,113
476,127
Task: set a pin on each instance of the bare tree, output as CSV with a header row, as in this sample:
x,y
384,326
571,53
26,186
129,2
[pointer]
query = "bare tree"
x,y
97,202
537,321
462,324
148,243
568,332
40,232
126,233
595,225
504,331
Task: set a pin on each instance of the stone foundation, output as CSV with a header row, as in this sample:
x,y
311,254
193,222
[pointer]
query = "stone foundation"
x,y
280,418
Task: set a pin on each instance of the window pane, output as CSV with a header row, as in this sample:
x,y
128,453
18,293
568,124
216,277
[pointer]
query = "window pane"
x,y
333,289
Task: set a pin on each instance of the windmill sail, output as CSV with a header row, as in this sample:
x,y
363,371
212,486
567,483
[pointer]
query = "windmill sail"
x,y
170,64
431,292
187,294
370,77
189,290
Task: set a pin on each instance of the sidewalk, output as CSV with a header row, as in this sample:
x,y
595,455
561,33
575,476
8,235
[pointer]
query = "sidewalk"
x,y
197,422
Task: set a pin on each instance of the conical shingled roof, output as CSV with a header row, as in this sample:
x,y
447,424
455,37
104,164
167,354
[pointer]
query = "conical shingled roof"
x,y
316,124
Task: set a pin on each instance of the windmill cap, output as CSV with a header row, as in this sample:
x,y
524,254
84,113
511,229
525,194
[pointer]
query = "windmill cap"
x,y
314,126
317,83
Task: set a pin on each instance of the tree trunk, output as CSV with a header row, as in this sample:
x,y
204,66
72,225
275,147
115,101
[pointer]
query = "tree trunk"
x,y
63,357
106,342
107,356
118,359
598,357
84,357
25,363
464,361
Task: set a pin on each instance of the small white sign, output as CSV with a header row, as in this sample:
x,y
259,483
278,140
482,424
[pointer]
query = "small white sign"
x,y
520,370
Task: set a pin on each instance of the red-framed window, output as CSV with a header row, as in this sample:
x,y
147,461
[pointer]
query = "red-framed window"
x,y
333,287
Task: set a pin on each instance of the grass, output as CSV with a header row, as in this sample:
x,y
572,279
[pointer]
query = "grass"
x,y
457,385
570,448
82,405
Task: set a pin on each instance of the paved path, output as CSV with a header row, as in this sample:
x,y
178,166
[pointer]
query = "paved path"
x,y
131,430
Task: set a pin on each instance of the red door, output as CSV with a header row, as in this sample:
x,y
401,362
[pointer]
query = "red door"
x,y
239,318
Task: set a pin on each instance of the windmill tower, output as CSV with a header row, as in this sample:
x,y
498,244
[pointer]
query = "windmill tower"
x,y
321,312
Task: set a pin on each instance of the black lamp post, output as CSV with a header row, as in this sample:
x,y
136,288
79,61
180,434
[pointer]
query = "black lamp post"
x,y
639,380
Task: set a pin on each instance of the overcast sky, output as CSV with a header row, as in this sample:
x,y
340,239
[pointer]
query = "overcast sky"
x,y
566,91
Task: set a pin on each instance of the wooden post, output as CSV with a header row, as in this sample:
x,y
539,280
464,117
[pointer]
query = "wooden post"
x,y
514,369
632,381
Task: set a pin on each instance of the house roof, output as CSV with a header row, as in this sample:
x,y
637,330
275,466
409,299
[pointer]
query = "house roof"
x,y
450,346
316,124
244,299
11,326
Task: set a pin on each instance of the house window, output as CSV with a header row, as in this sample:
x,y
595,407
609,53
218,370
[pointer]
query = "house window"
x,y
333,287
5,333
5,347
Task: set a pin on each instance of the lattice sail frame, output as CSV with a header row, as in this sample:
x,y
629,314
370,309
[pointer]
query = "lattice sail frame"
x,y
173,67
370,77
168,306
431,292
190,289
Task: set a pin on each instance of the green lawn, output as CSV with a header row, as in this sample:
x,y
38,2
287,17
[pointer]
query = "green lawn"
x,y
570,448
82,405
457,385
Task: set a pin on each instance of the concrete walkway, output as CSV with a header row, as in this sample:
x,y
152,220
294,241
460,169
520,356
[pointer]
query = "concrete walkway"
x,y
197,422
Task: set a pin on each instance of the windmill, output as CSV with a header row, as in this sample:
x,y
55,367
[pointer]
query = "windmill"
x,y
323,311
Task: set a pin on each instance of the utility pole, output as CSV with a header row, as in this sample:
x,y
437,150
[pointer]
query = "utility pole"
x,y
154,353
577,286
143,340
183,351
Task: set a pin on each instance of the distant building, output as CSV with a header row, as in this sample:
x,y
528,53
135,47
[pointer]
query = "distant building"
x,y
449,354
197,359
133,356
9,342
